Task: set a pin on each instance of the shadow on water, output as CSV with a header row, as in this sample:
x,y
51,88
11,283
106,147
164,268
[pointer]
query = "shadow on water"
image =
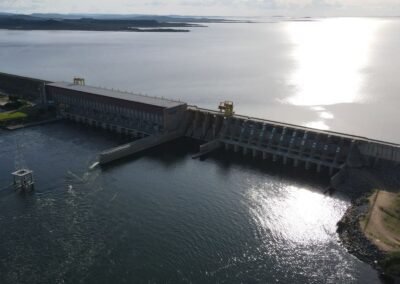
x,y
176,151
166,154
79,205
80,134
361,180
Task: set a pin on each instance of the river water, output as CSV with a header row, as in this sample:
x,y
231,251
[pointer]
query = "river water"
x,y
162,217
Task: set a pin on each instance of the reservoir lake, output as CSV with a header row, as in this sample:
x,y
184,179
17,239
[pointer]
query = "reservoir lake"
x,y
161,217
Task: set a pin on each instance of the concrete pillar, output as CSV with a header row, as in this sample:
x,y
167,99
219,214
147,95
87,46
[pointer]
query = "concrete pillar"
x,y
282,137
213,126
234,129
225,124
271,137
335,160
292,141
205,124
243,131
314,145
302,145
262,134
195,122
376,160
226,146
218,120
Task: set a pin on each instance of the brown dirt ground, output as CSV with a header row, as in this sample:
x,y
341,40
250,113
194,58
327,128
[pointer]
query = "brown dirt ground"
x,y
383,227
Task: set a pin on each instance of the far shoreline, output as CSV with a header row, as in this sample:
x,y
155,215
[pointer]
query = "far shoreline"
x,y
134,30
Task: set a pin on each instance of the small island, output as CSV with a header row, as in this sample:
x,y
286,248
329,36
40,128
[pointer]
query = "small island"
x,y
28,22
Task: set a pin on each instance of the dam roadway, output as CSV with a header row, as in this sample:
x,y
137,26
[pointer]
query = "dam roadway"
x,y
160,120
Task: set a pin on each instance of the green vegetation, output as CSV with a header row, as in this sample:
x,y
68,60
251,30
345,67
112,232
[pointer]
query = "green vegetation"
x,y
11,115
22,111
382,226
18,110
382,222
392,215
391,264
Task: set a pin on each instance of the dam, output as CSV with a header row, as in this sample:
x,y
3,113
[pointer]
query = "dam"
x,y
151,121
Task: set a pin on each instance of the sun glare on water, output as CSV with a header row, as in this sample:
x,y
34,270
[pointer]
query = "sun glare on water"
x,y
294,214
330,56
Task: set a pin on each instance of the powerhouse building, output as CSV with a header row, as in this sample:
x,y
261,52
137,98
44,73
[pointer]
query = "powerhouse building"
x,y
110,108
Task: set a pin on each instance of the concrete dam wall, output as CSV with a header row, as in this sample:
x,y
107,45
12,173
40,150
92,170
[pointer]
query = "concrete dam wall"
x,y
265,139
159,120
289,144
23,87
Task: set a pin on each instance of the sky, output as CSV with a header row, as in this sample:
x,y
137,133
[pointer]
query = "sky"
x,y
209,7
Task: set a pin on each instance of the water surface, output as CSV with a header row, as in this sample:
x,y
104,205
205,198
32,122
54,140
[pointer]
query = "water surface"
x,y
164,218
337,73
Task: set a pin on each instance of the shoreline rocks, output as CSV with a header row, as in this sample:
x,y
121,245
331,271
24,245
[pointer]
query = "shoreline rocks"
x,y
354,239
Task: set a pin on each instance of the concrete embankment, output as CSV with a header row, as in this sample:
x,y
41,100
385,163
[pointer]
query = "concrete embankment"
x,y
32,124
136,147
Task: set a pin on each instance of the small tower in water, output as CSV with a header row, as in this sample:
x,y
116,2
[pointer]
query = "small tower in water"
x,y
23,180
22,177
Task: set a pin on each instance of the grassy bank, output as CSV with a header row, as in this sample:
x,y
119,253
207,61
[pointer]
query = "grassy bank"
x,y
381,225
18,111
391,264
11,116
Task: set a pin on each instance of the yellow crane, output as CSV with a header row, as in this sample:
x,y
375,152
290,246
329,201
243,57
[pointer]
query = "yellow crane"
x,y
227,108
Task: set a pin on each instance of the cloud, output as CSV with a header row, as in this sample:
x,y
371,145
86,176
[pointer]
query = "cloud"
x,y
207,7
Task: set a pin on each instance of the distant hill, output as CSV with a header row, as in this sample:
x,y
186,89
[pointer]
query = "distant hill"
x,y
59,22
167,18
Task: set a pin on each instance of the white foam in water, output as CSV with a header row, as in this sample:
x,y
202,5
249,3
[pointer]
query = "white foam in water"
x,y
94,165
